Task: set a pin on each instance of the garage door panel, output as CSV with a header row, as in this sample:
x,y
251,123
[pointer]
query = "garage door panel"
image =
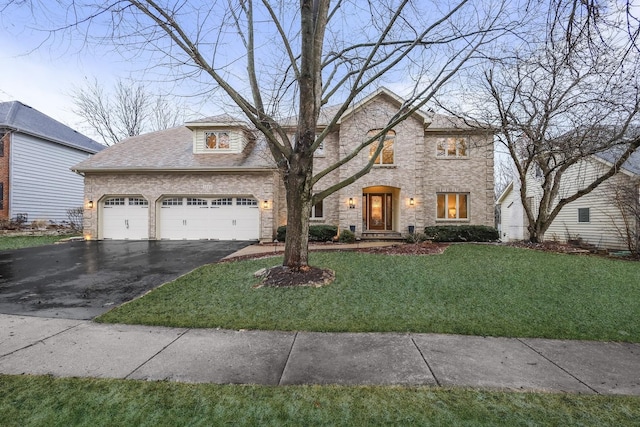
x,y
125,218
218,218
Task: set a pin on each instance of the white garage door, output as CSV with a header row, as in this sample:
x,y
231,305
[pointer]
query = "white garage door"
x,y
125,218
192,218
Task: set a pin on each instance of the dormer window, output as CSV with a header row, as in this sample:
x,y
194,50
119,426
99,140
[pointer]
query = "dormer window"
x,y
217,140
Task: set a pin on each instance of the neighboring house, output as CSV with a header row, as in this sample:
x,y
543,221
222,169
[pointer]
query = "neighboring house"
x,y
36,156
215,179
596,218
513,219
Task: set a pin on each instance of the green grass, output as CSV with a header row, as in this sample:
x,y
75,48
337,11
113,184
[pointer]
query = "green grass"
x,y
470,289
18,242
46,401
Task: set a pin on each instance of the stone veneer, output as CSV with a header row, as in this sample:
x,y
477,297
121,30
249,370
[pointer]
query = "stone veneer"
x,y
153,187
416,173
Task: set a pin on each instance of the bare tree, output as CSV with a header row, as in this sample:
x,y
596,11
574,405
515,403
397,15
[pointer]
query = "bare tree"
x,y
131,109
290,58
626,198
559,100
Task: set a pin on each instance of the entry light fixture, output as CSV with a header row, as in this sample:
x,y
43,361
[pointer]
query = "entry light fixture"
x,y
352,204
411,201
90,204
265,204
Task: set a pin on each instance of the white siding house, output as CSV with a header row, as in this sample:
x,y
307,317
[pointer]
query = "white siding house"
x,y
35,164
595,218
512,217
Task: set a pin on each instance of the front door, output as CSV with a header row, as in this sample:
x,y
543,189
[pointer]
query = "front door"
x,y
379,211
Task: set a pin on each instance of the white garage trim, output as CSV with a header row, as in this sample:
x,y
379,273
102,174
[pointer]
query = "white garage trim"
x,y
124,218
219,218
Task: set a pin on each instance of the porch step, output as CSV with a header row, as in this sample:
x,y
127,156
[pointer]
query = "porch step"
x,y
381,235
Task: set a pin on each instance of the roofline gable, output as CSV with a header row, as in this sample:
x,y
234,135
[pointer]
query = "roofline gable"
x,y
382,91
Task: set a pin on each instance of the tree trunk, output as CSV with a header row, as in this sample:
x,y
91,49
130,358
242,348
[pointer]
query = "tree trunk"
x,y
298,190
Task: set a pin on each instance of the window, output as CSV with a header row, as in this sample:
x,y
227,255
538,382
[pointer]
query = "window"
x,y
246,202
172,202
453,206
317,210
217,140
583,214
196,202
114,201
136,201
386,155
452,147
1,195
222,202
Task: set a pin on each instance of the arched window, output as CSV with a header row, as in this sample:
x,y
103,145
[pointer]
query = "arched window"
x,y
386,155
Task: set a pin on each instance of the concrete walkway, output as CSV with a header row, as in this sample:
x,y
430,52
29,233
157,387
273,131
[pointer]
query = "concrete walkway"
x,y
77,348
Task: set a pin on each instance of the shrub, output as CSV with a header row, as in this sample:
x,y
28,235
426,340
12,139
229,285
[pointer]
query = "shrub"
x,y
317,233
347,236
416,238
461,233
75,217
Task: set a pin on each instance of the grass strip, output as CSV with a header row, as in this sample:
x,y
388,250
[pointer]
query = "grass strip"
x,y
36,401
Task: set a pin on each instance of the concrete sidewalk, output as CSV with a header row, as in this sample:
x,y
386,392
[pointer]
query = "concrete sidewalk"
x,y
76,348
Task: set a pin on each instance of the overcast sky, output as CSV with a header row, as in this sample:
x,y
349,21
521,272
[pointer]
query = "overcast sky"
x,y
42,72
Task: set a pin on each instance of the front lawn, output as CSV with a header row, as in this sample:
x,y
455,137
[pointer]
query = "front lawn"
x,y
470,289
46,401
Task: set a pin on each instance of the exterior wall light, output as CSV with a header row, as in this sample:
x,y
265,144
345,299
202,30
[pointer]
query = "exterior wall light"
x,y
265,204
352,204
411,201
90,204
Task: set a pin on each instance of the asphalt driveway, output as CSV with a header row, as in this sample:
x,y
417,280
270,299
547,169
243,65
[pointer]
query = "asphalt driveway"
x,y
81,280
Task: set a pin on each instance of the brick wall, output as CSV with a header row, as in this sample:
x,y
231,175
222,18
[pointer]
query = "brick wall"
x,y
153,187
5,148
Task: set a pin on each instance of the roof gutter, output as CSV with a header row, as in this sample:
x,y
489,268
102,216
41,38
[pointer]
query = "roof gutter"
x,y
160,170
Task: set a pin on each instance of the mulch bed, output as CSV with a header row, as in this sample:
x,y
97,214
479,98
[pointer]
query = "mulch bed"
x,y
282,277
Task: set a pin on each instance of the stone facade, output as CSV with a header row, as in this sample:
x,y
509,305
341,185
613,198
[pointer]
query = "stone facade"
x,y
408,185
156,186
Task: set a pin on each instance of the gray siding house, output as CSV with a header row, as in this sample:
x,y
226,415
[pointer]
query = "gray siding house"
x,y
36,156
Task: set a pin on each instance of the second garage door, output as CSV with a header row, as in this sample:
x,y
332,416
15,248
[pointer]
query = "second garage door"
x,y
192,218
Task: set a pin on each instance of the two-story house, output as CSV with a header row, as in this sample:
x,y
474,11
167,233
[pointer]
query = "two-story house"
x,y
215,179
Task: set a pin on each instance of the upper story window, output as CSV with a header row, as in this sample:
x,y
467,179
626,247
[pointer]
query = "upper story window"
x,y
217,140
386,155
452,147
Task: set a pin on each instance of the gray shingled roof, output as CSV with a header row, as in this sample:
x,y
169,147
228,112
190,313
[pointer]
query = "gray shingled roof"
x,y
631,165
22,118
172,149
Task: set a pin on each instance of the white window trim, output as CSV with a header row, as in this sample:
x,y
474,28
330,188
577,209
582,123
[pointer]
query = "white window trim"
x,y
588,214
446,155
313,211
457,194
217,133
